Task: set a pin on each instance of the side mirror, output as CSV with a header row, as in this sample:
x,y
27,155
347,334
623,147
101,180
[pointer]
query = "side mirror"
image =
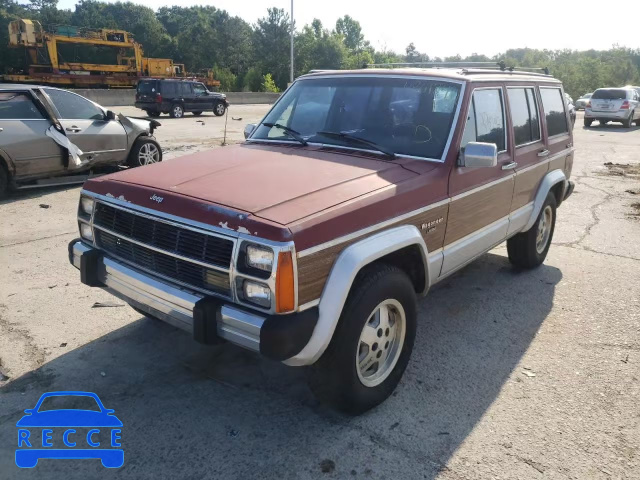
x,y
248,130
110,115
478,154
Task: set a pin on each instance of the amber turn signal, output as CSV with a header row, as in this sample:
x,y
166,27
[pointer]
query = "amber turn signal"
x,y
285,291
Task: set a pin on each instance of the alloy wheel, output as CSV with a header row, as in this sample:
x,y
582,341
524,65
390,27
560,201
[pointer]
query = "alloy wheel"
x,y
380,343
148,154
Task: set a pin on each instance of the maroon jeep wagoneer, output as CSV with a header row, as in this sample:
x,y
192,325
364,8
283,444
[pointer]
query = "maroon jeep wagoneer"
x,y
311,242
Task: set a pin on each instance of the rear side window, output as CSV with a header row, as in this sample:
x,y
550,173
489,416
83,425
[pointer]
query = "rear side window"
x,y
185,88
18,106
524,115
485,120
147,88
609,94
555,116
169,89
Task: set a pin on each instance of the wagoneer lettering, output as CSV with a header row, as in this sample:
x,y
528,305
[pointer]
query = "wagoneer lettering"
x,y
359,190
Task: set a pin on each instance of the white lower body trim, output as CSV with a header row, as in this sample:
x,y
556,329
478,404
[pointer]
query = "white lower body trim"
x,y
463,251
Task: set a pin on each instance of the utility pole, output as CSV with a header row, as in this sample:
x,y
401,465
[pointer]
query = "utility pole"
x,y
291,41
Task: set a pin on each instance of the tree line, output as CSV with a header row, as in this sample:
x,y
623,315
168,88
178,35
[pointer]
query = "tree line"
x,y
256,57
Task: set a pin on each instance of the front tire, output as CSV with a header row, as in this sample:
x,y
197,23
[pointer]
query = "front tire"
x,y
177,111
371,344
219,109
588,122
529,249
145,151
153,114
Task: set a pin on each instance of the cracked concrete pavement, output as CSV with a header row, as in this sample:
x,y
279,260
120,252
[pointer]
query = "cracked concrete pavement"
x,y
514,374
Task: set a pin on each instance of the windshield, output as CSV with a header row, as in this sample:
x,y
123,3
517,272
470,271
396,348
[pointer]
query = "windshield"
x,y
406,116
610,94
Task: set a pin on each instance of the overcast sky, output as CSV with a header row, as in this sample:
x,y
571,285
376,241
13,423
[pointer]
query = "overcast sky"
x,y
463,26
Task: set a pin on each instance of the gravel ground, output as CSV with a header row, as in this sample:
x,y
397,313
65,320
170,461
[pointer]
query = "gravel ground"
x,y
515,375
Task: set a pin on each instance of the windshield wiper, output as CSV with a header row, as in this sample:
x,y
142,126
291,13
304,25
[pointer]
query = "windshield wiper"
x,y
289,131
353,139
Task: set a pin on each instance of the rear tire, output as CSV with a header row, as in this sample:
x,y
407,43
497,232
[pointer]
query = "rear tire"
x,y
603,122
588,122
219,109
366,359
177,111
153,114
627,122
145,151
529,249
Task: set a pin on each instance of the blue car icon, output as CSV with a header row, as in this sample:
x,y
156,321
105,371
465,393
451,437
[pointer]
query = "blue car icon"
x,y
77,445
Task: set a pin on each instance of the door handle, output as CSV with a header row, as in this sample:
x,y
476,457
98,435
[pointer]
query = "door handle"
x,y
73,129
509,166
543,153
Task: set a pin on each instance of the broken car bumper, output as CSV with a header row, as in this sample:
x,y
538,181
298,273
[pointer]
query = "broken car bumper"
x,y
210,319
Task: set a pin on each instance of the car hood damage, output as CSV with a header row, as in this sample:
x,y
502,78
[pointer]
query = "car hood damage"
x,y
281,184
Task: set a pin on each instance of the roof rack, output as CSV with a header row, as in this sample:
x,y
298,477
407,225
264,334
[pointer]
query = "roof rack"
x,y
477,67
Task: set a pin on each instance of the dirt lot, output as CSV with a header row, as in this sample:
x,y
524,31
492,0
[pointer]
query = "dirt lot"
x,y
515,375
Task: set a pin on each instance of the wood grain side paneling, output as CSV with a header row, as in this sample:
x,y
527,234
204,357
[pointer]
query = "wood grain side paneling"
x,y
314,269
476,210
527,185
558,163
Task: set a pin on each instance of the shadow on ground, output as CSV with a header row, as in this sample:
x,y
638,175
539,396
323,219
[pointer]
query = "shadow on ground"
x,y
221,412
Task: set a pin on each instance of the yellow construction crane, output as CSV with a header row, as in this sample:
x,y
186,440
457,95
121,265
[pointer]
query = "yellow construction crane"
x,y
82,57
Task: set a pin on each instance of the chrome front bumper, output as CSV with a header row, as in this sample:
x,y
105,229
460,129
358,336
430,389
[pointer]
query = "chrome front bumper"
x,y
167,302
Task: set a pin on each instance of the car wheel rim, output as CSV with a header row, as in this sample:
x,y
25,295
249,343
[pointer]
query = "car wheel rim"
x,y
177,111
148,154
220,109
544,229
380,343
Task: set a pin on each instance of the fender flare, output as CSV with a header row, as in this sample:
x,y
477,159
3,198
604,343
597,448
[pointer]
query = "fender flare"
x,y
343,273
550,180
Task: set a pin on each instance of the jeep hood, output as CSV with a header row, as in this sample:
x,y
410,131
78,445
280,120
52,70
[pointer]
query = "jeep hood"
x,y
281,184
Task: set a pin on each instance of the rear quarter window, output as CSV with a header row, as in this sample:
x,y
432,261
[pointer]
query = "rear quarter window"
x,y
18,106
554,113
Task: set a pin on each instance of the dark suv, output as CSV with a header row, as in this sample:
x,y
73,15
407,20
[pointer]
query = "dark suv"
x,y
178,96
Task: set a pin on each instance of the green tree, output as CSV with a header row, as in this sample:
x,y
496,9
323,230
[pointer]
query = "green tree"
x,y
228,80
351,32
268,85
252,81
317,48
271,40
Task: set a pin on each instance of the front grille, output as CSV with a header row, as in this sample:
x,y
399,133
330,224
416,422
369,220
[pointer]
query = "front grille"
x,y
171,267
135,238
187,243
